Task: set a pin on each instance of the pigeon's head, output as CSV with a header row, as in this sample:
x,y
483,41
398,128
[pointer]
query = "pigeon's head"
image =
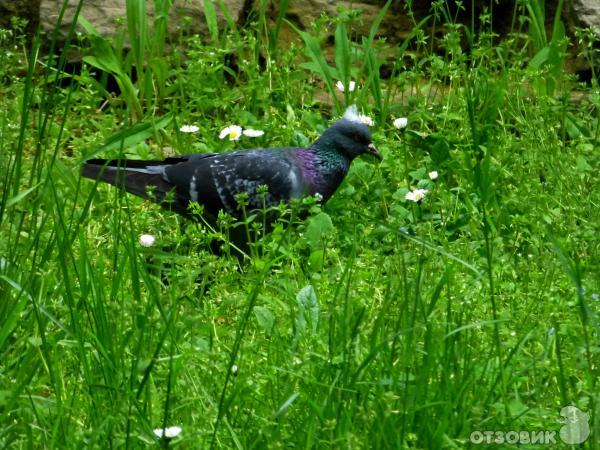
x,y
349,136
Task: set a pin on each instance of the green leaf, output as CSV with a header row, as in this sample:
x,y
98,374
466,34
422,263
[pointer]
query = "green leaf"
x,y
418,173
137,28
286,404
87,26
132,135
316,69
12,313
313,49
556,56
440,152
316,259
105,61
231,23
265,318
308,309
342,54
537,29
318,229
210,14
582,165
20,196
576,128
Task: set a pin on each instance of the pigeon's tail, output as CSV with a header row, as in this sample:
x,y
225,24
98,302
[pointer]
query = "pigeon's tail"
x,y
141,178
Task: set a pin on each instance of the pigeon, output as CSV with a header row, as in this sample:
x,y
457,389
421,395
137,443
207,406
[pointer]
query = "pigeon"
x,y
215,180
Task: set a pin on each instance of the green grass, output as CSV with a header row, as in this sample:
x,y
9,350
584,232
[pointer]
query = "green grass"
x,y
375,323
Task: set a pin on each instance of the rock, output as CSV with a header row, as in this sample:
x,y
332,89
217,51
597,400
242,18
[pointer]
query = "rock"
x,y
25,9
584,13
109,17
106,15
303,14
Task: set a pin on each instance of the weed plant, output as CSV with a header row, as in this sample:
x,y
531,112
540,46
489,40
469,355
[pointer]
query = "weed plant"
x,y
376,322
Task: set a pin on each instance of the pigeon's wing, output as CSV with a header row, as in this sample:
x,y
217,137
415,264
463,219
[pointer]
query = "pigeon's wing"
x,y
147,178
217,180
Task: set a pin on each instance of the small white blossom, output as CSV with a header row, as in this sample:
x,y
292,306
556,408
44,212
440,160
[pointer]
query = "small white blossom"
x,y
318,197
147,240
253,133
234,369
189,129
401,122
342,88
232,132
416,195
433,175
366,120
169,432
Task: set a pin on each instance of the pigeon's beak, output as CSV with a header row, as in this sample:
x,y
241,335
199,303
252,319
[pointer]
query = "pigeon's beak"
x,y
372,150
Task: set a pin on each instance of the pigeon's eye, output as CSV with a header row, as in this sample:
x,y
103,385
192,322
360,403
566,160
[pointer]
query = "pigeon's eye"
x,y
357,137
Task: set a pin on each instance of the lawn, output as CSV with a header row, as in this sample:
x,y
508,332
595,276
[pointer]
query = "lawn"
x,y
467,318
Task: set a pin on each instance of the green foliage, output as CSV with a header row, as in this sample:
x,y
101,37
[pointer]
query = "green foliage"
x,y
353,61
548,55
587,40
145,91
369,322
210,13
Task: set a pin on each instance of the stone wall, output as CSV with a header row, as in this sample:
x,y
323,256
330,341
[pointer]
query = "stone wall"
x,y
396,25
105,14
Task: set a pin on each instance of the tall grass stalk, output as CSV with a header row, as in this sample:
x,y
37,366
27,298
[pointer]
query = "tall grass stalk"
x,y
484,98
352,62
548,54
141,72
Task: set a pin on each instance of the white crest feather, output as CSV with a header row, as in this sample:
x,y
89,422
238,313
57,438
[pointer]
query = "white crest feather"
x,y
352,115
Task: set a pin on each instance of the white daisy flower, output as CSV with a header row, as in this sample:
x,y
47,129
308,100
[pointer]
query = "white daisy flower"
x,y
169,432
189,129
433,175
147,240
416,195
366,120
253,133
232,132
400,122
342,88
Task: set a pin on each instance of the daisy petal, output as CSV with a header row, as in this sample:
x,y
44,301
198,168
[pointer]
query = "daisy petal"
x,y
169,432
416,195
147,240
366,120
232,132
401,122
342,88
189,129
253,133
